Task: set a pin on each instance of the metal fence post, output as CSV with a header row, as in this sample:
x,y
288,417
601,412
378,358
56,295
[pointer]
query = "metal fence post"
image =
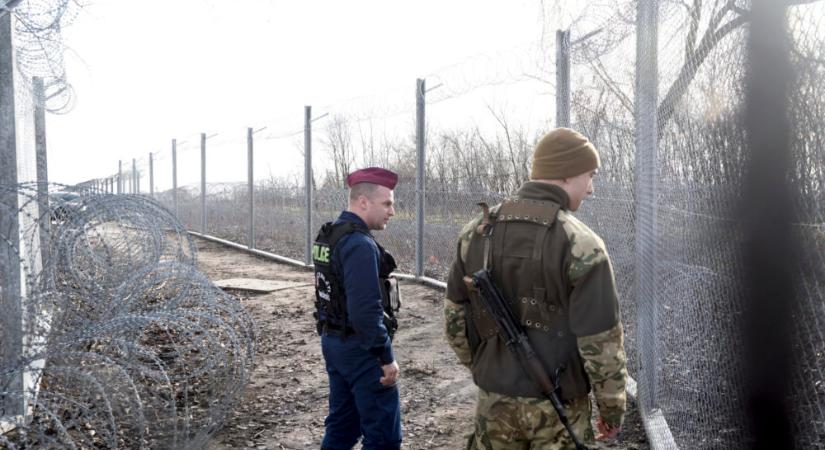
x,y
120,176
308,183
11,348
42,165
40,132
151,175
420,87
175,177
250,167
647,82
563,78
134,176
203,183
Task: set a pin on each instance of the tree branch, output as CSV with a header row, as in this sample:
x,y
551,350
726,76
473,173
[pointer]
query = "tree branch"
x,y
691,67
695,17
601,72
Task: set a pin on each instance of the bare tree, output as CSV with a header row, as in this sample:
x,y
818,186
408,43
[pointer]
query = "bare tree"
x,y
705,25
516,146
339,145
366,137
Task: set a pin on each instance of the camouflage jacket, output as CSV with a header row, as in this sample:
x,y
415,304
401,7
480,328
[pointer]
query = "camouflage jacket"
x,y
575,321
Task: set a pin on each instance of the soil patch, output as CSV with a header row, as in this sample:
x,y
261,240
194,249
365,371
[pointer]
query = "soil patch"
x,y
285,402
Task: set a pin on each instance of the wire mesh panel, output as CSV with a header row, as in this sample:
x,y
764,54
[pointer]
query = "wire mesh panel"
x,y
665,200
483,117
162,178
327,205
142,170
279,219
227,200
685,364
807,116
189,184
699,298
280,203
399,237
368,131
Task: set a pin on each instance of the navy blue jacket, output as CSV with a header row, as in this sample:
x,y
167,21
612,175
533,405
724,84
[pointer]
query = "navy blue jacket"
x,y
357,258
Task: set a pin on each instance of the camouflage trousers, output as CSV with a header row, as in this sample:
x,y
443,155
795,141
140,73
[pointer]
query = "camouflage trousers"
x,y
522,423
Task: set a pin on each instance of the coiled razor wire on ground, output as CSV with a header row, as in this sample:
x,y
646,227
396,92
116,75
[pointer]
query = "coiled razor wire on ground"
x,y
125,344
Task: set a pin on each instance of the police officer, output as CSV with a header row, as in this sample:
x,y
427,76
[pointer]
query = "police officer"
x,y
557,276
356,301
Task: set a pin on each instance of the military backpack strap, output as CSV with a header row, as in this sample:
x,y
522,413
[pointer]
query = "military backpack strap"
x,y
483,326
540,215
485,229
540,212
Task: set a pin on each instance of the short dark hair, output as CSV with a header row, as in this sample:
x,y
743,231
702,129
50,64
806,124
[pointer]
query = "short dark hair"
x,y
359,189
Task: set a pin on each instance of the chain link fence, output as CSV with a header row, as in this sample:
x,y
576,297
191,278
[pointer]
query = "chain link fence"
x,y
668,210
683,333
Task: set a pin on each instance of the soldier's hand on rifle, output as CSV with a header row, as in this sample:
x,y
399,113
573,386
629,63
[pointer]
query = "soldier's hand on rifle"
x,y
605,430
390,374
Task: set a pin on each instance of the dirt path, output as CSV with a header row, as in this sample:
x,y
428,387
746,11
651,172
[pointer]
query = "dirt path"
x,y
286,400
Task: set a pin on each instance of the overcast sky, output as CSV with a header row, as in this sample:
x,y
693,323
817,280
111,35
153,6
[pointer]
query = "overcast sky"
x,y
145,72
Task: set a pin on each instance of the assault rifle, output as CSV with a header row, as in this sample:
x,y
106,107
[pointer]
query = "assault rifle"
x,y
517,341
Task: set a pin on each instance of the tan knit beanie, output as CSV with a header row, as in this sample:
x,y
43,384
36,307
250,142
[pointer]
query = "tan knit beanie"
x,y
563,153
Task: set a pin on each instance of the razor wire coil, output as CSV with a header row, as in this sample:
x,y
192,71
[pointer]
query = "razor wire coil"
x,y
125,344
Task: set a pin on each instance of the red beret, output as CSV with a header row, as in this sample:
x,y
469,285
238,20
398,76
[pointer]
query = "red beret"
x,y
374,175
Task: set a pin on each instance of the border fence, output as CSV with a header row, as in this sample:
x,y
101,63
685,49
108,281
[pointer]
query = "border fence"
x,y
710,198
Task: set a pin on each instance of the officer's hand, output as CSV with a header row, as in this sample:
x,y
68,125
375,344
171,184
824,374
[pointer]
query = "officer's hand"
x,y
605,430
390,374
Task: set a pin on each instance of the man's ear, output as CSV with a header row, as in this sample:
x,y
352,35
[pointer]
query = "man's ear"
x,y
362,202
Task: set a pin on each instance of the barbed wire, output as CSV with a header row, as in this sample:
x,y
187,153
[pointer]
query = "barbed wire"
x,y
125,344
39,49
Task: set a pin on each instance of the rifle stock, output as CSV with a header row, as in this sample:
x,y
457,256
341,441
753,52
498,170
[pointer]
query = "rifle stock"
x,y
517,341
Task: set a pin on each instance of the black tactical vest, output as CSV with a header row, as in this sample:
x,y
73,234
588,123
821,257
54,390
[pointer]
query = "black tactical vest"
x,y
330,296
523,252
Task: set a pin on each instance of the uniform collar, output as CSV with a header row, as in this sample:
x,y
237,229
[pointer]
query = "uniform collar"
x,y
348,216
537,190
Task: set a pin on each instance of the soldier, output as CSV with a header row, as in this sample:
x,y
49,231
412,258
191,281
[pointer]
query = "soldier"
x,y
558,279
356,301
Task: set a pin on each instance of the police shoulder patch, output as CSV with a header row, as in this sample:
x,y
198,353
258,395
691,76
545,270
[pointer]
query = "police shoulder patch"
x,y
586,247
